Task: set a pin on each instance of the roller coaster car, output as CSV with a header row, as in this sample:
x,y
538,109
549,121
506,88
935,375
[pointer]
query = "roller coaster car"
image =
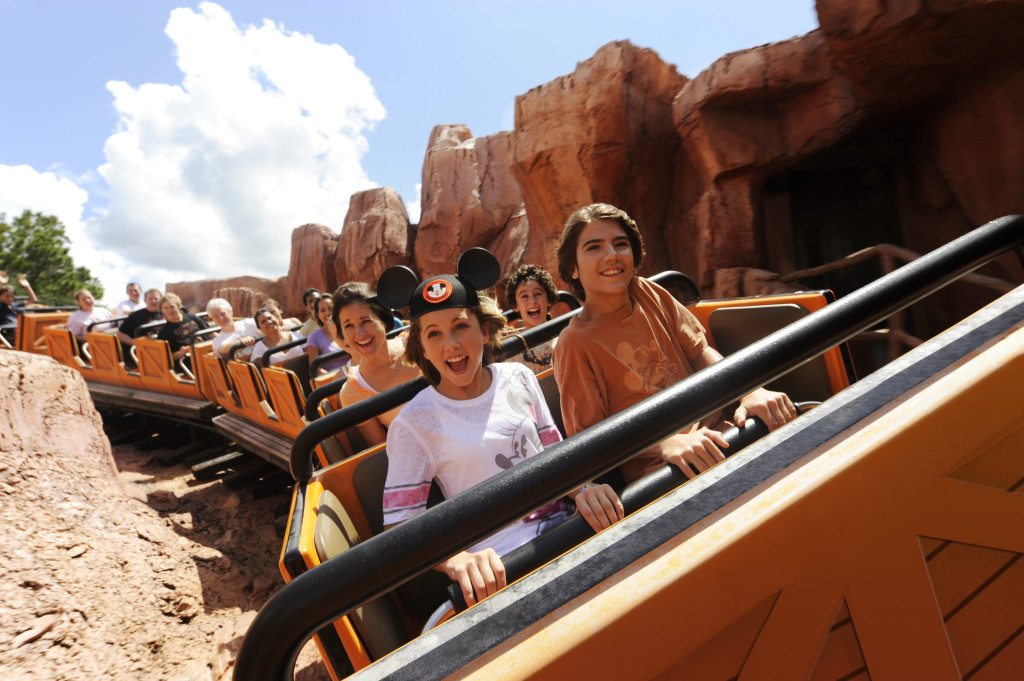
x,y
340,506
878,536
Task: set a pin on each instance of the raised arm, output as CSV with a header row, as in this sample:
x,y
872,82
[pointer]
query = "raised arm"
x,y
23,280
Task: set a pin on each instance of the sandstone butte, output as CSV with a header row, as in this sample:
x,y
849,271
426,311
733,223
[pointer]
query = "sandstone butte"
x,y
891,123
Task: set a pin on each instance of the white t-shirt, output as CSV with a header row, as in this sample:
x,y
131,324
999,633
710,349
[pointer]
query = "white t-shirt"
x,y
243,327
126,307
461,443
80,319
261,349
537,358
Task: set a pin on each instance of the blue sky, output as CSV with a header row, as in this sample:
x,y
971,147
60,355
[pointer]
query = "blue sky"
x,y
185,140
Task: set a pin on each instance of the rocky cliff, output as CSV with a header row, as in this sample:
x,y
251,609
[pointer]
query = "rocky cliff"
x,y
893,122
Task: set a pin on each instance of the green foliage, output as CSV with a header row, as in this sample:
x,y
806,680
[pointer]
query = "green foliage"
x,y
36,245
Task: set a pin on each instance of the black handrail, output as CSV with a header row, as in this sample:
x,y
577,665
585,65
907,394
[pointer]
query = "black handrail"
x,y
301,465
265,359
381,563
112,320
149,328
324,358
40,309
553,543
204,332
310,409
236,348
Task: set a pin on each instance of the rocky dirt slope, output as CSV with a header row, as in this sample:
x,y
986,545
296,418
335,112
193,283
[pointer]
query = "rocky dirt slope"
x,y
139,573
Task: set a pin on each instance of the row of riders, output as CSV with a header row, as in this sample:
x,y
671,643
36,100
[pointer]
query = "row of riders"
x,y
631,339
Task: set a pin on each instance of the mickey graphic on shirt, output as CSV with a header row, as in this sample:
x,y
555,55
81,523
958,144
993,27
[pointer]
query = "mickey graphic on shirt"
x,y
649,370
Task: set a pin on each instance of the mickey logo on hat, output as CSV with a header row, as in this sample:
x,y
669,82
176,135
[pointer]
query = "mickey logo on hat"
x,y
477,269
437,291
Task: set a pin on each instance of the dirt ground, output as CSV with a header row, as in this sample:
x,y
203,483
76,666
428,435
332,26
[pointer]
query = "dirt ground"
x,y
185,622
232,538
143,574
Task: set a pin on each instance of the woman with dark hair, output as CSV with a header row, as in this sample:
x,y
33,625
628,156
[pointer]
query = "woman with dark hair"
x,y
363,322
310,301
325,340
274,334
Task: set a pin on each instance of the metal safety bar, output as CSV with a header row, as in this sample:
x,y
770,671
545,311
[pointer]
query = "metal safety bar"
x,y
381,563
301,464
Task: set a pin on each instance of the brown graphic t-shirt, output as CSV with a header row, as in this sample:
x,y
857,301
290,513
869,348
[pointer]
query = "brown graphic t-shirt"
x,y
608,364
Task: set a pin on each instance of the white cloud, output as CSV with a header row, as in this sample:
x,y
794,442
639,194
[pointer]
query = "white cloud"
x,y
24,188
413,207
209,177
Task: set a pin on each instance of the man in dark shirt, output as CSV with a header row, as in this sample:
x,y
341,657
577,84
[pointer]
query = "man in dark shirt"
x,y
180,328
138,318
8,308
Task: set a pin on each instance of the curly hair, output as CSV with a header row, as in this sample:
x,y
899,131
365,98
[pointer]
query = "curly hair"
x,y
566,250
490,318
530,273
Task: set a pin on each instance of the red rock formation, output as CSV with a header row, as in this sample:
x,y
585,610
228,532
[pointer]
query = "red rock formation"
x,y
899,54
601,133
905,111
82,566
244,301
746,116
195,294
375,236
469,199
987,185
312,265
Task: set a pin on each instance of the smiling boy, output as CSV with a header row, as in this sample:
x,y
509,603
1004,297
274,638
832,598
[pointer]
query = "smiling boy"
x,y
633,339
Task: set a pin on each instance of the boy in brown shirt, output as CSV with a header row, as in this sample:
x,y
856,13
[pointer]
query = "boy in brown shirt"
x,y
632,339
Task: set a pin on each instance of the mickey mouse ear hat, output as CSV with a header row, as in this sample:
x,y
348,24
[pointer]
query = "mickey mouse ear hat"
x,y
477,269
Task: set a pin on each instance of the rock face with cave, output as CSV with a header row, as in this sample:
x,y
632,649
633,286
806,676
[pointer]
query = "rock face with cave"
x,y
893,122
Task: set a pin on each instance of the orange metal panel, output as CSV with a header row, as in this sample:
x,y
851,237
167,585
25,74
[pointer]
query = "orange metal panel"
x,y
30,336
62,346
990,617
864,519
810,301
249,391
841,658
285,396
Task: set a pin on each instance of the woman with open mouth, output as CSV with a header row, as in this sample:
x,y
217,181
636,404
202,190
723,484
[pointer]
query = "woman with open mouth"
x,y
476,419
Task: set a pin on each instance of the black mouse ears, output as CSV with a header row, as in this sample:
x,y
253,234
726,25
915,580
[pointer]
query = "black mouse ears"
x,y
396,285
477,269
